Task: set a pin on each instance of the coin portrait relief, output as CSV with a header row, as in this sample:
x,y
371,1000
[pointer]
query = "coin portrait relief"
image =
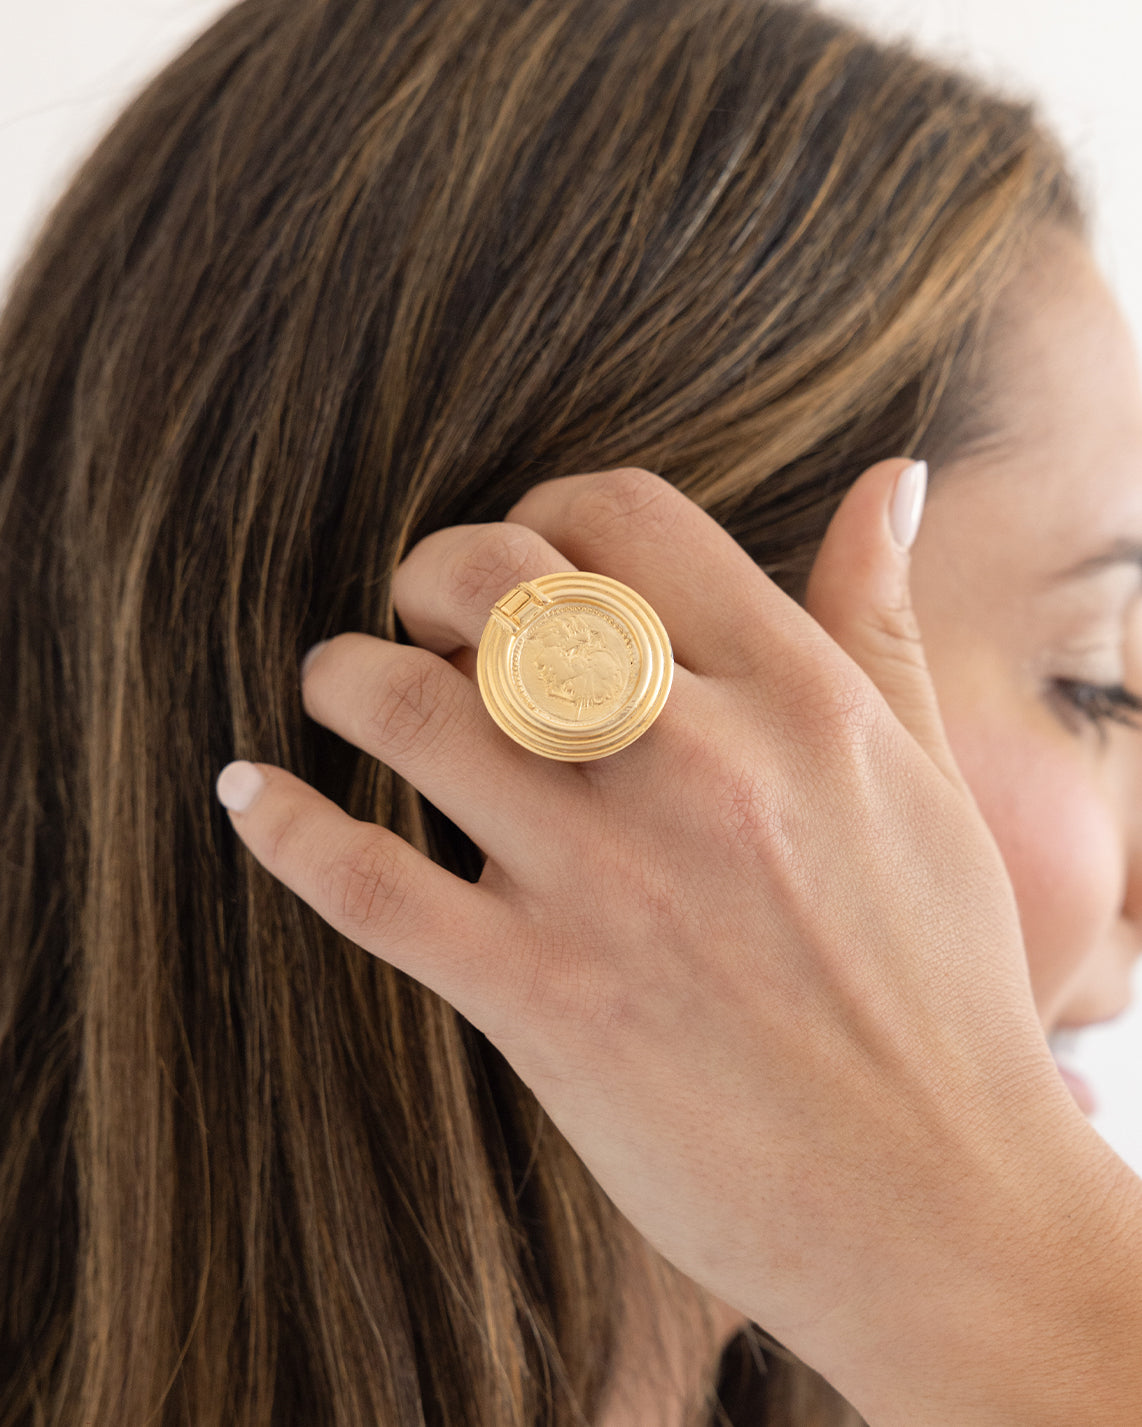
x,y
573,664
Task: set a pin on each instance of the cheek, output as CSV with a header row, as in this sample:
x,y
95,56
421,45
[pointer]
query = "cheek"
x,y
1060,847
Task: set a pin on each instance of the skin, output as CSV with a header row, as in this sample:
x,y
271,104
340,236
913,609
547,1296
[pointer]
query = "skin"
x,y
1062,482
1064,805
837,896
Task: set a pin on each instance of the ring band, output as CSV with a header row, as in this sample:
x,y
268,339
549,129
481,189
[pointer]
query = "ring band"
x,y
574,666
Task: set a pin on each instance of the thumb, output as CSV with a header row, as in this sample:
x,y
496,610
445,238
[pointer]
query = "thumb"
x,y
859,593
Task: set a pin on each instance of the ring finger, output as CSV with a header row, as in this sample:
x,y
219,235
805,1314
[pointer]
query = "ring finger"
x,y
445,588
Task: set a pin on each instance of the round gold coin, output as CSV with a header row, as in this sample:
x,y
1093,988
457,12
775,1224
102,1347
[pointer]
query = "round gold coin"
x,y
574,666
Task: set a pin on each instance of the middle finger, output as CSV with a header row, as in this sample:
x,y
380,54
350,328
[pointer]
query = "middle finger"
x,y
445,587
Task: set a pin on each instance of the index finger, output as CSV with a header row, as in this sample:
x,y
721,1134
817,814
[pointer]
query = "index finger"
x,y
724,614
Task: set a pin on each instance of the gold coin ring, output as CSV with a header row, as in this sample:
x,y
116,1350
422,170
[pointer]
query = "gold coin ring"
x,y
574,666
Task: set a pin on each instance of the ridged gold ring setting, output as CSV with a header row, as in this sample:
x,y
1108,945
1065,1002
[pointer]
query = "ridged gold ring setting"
x,y
574,666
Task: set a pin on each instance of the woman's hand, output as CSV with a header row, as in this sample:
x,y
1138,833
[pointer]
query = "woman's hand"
x,y
763,967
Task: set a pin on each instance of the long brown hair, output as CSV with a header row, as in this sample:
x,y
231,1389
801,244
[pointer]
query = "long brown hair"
x,y
347,271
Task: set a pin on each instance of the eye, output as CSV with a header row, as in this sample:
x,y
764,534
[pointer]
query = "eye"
x,y
1100,704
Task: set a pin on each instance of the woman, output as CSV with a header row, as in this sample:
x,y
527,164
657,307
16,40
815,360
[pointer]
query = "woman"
x,y
321,342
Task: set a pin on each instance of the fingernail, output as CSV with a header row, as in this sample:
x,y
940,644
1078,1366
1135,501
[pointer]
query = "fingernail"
x,y
308,660
238,785
908,503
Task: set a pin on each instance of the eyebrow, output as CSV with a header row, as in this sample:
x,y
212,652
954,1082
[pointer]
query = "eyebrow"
x,y
1123,551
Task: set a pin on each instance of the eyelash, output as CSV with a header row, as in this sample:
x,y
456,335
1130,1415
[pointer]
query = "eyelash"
x,y
1100,704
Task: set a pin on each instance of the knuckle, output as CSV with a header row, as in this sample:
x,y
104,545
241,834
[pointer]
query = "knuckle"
x,y
851,743
847,707
732,792
832,703
749,812
746,809
495,561
833,721
363,888
613,499
405,704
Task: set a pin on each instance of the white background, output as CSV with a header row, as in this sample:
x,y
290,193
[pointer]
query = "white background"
x,y
67,66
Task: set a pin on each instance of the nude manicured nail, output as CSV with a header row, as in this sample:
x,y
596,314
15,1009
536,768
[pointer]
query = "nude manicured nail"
x,y
238,785
908,503
311,655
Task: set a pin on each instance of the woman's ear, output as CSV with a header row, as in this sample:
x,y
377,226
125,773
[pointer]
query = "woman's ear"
x,y
859,593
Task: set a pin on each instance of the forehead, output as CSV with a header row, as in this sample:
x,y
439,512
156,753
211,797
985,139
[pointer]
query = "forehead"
x,y
1066,477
